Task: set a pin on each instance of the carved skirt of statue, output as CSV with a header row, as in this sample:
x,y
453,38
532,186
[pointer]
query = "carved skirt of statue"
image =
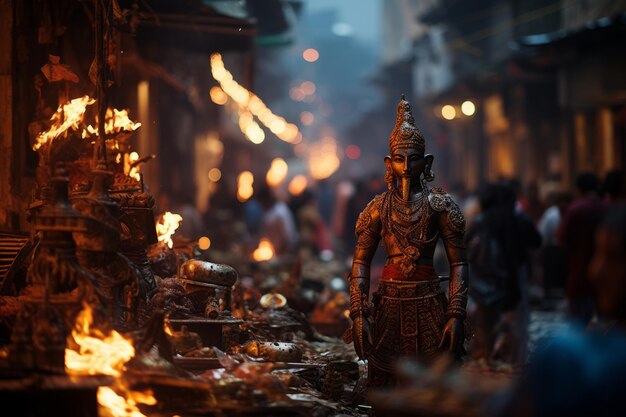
x,y
408,319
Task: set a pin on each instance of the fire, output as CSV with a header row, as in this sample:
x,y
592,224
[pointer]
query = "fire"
x,y
167,226
264,252
134,170
118,406
67,116
115,121
98,354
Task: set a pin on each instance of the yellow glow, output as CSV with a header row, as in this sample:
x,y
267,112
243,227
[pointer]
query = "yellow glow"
x,y
307,118
308,87
166,227
218,96
277,172
264,252
104,355
448,112
310,55
215,174
215,146
468,108
67,116
133,156
297,185
204,243
323,159
278,126
244,186
250,104
118,406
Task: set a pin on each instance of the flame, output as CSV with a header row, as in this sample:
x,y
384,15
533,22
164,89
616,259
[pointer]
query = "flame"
x,y
277,172
118,406
67,116
100,354
167,226
97,354
134,171
264,252
115,121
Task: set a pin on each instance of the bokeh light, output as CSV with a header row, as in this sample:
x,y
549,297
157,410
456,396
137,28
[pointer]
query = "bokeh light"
x,y
310,55
468,108
298,184
277,172
353,152
218,96
448,112
308,87
307,118
204,243
215,174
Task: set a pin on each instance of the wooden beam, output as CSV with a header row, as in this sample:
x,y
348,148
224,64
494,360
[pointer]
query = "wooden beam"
x,y
6,113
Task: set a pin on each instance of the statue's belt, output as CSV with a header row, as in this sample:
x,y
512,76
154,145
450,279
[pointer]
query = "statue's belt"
x,y
410,290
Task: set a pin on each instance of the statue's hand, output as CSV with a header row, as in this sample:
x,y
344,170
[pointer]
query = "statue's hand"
x,y
361,336
452,337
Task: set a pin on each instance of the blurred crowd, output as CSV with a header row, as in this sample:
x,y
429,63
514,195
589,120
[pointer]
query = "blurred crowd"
x,y
529,247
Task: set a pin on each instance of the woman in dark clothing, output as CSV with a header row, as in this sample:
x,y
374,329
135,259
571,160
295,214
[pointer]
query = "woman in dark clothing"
x,y
498,243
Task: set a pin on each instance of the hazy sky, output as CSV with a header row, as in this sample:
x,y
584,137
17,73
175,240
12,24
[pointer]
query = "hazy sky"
x,y
362,15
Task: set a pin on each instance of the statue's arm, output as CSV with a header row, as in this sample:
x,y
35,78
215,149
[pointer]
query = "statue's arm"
x,y
452,229
367,238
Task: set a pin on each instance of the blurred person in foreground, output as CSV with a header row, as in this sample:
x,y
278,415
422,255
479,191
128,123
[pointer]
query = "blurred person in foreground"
x,y
576,235
583,373
498,245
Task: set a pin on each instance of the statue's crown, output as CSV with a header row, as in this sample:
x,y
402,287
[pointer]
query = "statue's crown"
x,y
405,134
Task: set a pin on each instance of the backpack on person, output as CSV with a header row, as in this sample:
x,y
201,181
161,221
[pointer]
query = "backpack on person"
x,y
489,271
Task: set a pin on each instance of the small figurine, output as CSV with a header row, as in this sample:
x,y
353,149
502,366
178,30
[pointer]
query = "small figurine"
x,y
409,314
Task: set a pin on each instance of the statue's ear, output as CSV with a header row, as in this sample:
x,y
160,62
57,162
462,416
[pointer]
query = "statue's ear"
x,y
428,168
388,161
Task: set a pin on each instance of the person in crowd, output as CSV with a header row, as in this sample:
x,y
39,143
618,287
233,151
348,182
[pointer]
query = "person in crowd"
x,y
531,204
498,243
553,262
277,225
613,187
582,372
576,235
312,230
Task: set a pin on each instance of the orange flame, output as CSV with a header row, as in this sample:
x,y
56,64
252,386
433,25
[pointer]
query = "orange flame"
x,y
166,227
100,354
67,116
118,406
115,121
264,252
97,354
